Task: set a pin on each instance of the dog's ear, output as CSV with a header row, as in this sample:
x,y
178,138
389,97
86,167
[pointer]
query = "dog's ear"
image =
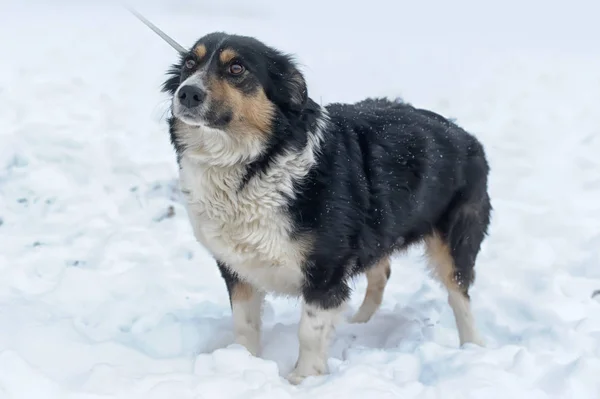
x,y
172,82
289,85
173,77
295,85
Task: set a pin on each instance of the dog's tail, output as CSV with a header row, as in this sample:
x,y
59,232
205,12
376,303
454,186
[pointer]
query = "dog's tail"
x,y
466,223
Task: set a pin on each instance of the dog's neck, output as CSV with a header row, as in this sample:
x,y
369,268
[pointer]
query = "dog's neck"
x,y
210,147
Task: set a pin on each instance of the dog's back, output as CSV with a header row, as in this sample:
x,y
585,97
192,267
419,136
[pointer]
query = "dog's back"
x,y
389,175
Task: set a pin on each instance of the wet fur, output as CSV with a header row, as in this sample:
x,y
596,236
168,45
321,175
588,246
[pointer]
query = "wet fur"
x,y
316,195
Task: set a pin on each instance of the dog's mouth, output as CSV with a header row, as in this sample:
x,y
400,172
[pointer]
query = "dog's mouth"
x,y
203,116
192,117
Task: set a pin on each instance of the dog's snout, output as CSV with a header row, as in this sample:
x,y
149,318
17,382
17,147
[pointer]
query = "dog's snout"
x,y
191,96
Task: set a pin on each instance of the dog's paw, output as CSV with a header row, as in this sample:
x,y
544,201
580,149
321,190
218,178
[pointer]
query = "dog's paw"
x,y
360,318
305,370
473,340
296,377
249,341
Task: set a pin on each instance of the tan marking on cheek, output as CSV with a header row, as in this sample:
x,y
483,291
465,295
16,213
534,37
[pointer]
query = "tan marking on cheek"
x,y
256,111
200,51
227,55
252,114
216,90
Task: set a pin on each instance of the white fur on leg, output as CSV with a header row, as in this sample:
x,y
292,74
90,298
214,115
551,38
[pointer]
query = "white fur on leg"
x,y
247,320
461,307
316,328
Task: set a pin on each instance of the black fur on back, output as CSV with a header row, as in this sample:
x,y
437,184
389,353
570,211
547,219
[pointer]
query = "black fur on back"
x,y
388,175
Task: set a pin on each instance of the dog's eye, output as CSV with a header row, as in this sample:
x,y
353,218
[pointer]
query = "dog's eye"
x,y
236,69
189,64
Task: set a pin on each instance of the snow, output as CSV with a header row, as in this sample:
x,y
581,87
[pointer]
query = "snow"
x,y
105,293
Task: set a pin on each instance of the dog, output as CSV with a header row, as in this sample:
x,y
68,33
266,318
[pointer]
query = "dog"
x,y
294,198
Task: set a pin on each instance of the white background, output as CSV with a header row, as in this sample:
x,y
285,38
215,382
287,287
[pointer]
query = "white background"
x,y
102,297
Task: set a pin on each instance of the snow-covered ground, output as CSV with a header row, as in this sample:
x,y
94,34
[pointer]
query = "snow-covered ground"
x,y
104,292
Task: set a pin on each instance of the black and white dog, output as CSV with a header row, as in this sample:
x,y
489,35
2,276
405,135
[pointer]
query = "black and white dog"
x,y
295,198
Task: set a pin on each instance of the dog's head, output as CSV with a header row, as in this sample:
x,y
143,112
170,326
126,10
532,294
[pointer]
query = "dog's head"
x,y
235,84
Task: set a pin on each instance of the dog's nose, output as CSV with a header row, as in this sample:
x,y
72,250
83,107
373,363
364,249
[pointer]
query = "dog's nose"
x,y
191,96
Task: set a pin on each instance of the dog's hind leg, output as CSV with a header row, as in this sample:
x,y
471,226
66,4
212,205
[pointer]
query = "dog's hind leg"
x,y
444,268
377,278
453,249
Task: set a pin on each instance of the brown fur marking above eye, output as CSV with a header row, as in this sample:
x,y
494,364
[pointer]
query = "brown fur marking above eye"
x,y
200,51
252,113
227,55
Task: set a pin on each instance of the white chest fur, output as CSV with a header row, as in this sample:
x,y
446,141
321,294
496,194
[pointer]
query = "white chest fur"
x,y
245,229
248,229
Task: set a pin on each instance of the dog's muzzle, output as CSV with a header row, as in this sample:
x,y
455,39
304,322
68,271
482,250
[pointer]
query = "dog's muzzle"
x,y
191,97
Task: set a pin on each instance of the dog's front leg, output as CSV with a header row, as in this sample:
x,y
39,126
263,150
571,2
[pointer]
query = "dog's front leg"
x,y
246,309
321,311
